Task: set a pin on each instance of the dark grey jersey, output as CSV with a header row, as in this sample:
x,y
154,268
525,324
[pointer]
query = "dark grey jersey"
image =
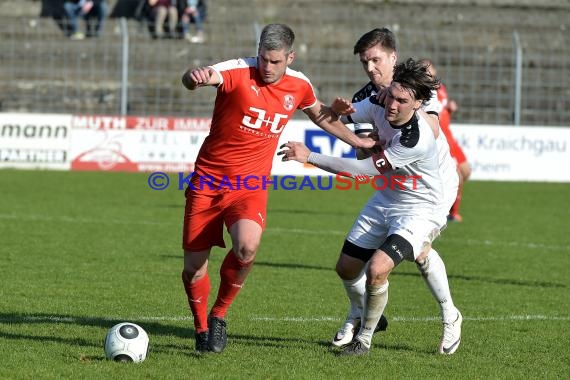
x,y
364,93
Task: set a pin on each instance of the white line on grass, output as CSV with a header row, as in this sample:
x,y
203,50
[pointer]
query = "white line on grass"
x,y
79,320
72,219
424,319
475,242
297,231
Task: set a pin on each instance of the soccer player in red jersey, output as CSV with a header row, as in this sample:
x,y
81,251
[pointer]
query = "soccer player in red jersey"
x,y
448,107
256,97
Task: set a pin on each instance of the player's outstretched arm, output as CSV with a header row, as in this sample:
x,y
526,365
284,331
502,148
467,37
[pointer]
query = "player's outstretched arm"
x,y
297,151
322,115
342,107
294,151
200,77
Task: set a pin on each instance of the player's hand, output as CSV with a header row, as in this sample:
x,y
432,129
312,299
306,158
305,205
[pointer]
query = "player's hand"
x,y
368,142
452,106
342,107
201,75
374,135
363,153
381,96
294,151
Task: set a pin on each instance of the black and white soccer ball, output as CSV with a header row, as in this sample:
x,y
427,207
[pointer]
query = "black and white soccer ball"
x,y
126,342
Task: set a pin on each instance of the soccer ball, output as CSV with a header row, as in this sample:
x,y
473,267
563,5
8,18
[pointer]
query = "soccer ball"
x,y
126,342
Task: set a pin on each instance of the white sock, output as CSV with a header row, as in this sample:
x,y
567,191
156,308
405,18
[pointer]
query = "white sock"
x,y
376,300
356,291
435,276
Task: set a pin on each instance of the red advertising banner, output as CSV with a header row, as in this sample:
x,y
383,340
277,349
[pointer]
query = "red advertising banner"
x,y
155,123
171,144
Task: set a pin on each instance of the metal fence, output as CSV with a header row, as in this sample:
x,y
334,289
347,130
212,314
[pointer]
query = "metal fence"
x,y
499,75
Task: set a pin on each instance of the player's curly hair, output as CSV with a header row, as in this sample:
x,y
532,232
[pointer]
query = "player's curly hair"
x,y
414,76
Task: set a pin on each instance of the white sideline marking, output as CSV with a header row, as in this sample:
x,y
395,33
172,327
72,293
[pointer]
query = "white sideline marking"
x,y
475,242
79,320
298,231
424,319
71,219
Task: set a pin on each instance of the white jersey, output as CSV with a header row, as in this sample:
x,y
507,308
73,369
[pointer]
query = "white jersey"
x,y
447,165
432,106
448,173
407,168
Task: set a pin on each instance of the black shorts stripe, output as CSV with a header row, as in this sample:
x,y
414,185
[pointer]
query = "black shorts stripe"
x,y
357,252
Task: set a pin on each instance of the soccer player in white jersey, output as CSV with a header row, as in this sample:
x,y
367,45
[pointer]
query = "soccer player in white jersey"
x,y
401,220
377,53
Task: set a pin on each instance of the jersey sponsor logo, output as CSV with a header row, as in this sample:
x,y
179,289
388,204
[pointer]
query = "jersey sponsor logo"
x,y
321,142
261,118
288,102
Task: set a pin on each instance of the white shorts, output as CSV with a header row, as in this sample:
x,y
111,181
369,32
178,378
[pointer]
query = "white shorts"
x,y
450,186
375,223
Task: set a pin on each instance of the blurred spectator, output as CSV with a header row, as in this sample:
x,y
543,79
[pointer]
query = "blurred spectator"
x,y
160,10
192,13
88,10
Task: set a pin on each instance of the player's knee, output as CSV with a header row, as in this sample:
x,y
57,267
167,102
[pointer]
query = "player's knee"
x,y
379,268
186,276
423,265
378,274
195,265
343,271
348,267
245,252
422,256
190,275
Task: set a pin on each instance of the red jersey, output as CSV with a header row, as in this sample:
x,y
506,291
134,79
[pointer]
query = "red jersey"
x,y
444,114
445,124
248,118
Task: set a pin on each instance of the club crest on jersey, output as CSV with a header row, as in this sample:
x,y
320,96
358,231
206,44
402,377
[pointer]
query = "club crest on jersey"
x,y
288,102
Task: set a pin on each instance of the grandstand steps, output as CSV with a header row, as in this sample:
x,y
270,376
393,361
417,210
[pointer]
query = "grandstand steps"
x,y
44,71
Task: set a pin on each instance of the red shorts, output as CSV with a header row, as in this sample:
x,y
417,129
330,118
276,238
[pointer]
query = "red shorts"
x,y
206,212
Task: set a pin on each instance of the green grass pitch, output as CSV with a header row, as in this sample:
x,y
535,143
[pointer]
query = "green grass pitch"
x,y
80,252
